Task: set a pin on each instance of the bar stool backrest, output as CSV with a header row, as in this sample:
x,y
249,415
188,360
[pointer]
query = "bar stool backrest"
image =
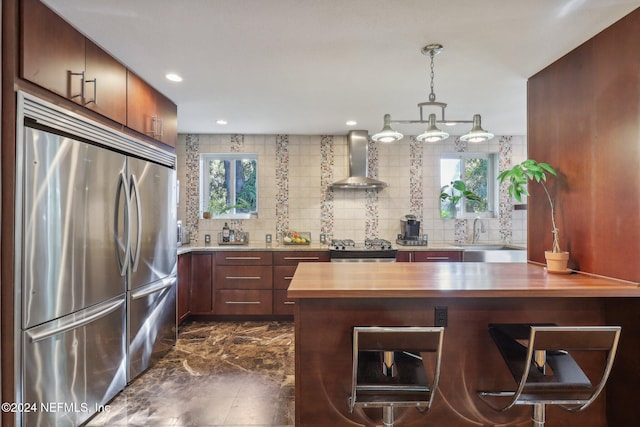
x,y
597,338
409,339
412,339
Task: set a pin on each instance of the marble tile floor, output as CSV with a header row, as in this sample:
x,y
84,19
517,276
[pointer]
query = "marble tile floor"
x,y
236,374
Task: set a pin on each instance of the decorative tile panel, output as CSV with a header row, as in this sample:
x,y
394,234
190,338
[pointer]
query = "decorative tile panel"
x,y
505,207
192,187
282,184
460,225
327,161
371,195
415,178
237,143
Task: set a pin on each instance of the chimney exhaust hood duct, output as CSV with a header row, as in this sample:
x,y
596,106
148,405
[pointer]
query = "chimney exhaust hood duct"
x,y
358,150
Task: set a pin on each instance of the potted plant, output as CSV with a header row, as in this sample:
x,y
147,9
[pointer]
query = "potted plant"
x,y
454,192
518,177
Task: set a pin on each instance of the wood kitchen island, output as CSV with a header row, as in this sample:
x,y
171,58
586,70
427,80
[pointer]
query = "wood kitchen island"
x,y
332,298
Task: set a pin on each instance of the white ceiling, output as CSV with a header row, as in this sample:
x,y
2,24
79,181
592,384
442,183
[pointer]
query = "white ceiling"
x,y
308,66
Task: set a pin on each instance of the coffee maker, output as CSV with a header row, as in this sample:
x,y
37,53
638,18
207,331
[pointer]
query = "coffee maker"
x,y
410,232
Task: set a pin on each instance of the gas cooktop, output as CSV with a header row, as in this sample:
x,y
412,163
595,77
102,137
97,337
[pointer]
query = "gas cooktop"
x,y
369,250
367,245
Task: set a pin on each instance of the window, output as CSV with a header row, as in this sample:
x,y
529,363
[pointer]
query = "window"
x,y
478,172
228,184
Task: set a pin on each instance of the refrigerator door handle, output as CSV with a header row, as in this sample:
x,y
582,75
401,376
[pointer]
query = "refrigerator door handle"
x,y
98,312
123,262
136,190
160,286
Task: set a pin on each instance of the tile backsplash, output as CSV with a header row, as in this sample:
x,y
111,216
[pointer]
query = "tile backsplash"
x,y
294,173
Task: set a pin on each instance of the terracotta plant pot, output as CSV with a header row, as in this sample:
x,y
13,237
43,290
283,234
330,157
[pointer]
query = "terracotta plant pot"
x,y
206,215
556,261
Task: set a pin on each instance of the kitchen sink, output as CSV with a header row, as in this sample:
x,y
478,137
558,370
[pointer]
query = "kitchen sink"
x,y
493,253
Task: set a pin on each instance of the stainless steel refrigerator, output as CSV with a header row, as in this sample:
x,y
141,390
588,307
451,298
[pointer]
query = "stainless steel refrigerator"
x,y
95,262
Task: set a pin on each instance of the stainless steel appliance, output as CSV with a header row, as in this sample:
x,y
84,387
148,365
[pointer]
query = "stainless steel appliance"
x,y
358,146
372,250
410,232
95,261
180,234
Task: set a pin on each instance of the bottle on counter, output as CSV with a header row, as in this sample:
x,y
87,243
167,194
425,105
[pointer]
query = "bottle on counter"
x,y
225,233
232,235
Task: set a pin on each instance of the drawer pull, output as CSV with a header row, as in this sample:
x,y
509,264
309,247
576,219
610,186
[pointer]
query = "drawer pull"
x,y
235,258
288,277
301,258
289,302
243,277
242,302
438,257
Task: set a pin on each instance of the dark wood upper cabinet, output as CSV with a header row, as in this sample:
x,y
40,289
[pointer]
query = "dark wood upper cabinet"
x,y
60,59
105,82
149,112
57,57
53,52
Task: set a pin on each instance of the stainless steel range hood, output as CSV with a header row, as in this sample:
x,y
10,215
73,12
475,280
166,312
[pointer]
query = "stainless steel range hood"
x,y
358,146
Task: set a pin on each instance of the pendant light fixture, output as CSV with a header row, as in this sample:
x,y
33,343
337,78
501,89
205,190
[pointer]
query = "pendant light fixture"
x,y
433,134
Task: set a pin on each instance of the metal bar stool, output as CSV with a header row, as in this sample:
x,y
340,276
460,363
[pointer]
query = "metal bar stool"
x,y
545,372
388,369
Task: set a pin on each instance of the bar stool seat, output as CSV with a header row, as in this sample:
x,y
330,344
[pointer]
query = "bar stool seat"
x,y
539,358
389,371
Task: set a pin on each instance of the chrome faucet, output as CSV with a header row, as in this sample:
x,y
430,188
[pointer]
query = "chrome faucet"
x,y
476,232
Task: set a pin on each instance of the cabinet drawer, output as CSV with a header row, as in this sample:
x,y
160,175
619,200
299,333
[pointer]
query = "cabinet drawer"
x,y
243,302
243,258
282,275
243,277
294,257
282,304
437,256
403,256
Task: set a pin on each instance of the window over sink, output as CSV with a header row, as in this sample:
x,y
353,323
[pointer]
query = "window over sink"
x,y
479,173
228,184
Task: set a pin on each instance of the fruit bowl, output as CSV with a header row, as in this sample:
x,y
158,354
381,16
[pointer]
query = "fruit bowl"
x,y
297,238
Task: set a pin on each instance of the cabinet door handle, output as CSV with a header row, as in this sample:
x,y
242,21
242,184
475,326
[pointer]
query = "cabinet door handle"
x,y
437,257
81,94
288,277
157,128
302,258
243,277
95,91
236,258
242,302
289,302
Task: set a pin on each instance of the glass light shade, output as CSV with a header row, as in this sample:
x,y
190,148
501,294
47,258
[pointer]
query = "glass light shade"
x,y
387,134
432,134
476,134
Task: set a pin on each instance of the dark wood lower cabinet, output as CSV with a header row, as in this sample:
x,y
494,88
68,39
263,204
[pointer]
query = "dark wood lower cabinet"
x,y
282,275
201,297
239,283
184,286
243,301
429,256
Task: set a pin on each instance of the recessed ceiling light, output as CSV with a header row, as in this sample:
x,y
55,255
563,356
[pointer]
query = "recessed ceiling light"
x,y
221,122
173,77
351,123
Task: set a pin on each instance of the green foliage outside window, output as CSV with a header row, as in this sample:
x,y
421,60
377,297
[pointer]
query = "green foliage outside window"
x,y
230,184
